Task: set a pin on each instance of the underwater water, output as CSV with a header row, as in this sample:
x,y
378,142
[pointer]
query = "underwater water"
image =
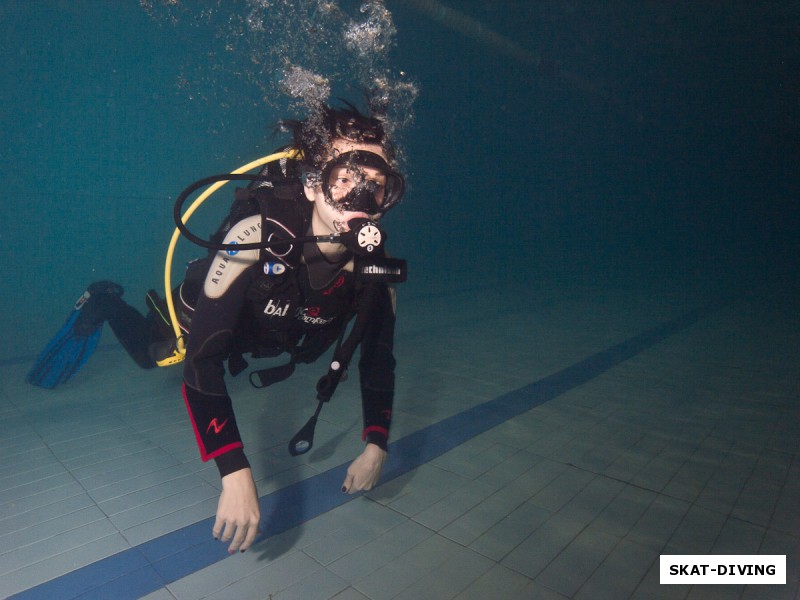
x,y
588,169
642,144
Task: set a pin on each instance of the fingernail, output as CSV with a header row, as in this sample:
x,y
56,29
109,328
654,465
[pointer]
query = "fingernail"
x,y
344,489
243,551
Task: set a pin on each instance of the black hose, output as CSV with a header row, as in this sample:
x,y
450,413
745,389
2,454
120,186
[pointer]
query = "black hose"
x,y
177,213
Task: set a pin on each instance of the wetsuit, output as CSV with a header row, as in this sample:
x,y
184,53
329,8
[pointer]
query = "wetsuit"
x,y
251,303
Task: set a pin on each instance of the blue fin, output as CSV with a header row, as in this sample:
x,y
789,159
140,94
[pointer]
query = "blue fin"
x,y
66,353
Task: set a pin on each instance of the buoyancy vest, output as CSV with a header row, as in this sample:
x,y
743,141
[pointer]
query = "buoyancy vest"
x,y
284,314
283,215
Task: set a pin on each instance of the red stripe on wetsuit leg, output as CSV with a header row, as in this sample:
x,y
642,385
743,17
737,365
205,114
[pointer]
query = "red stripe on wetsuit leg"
x,y
203,454
224,449
372,428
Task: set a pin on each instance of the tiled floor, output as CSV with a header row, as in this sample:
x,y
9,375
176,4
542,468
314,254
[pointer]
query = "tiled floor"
x,y
687,444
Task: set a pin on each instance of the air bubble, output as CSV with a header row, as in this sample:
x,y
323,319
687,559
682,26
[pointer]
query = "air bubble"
x,y
290,56
312,88
374,35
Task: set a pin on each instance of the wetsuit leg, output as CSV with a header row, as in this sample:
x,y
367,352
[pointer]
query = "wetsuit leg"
x,y
133,330
136,333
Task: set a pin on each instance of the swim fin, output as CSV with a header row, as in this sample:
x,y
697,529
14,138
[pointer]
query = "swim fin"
x,y
75,342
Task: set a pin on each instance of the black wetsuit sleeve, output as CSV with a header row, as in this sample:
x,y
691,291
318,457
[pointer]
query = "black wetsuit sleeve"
x,y
207,400
376,368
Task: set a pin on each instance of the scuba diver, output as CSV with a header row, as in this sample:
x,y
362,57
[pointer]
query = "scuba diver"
x,y
299,258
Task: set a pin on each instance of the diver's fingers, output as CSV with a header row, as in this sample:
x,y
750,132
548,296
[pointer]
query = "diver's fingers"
x,y
252,532
238,539
364,472
216,531
238,513
348,482
228,531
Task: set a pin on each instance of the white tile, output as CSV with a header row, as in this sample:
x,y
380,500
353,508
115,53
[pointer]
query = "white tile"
x,y
352,535
497,583
568,571
148,527
501,539
349,594
407,569
41,477
696,533
32,502
162,594
686,446
271,579
542,546
86,527
147,496
561,490
449,578
738,537
59,558
658,523
78,526
128,486
162,506
381,551
43,521
320,585
453,506
620,573
621,515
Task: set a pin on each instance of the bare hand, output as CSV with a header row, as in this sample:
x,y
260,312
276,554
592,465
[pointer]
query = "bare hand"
x,y
365,470
238,514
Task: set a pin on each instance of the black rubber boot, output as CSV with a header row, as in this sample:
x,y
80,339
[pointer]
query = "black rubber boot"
x,y
98,303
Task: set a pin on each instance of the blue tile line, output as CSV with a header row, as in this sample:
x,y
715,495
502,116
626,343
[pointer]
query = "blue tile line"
x,y
152,565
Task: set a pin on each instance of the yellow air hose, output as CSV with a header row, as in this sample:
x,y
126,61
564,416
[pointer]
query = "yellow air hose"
x,y
179,350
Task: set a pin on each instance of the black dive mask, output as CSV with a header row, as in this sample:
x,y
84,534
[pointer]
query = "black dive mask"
x,y
348,187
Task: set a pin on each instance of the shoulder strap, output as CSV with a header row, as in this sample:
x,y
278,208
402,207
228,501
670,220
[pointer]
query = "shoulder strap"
x,y
283,217
276,198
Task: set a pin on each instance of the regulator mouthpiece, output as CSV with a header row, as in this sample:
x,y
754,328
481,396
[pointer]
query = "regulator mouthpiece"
x,y
364,237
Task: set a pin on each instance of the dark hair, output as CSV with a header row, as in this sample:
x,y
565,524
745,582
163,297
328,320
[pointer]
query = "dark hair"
x,y
315,134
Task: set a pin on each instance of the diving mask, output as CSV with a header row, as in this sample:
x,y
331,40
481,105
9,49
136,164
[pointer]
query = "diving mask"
x,y
360,181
